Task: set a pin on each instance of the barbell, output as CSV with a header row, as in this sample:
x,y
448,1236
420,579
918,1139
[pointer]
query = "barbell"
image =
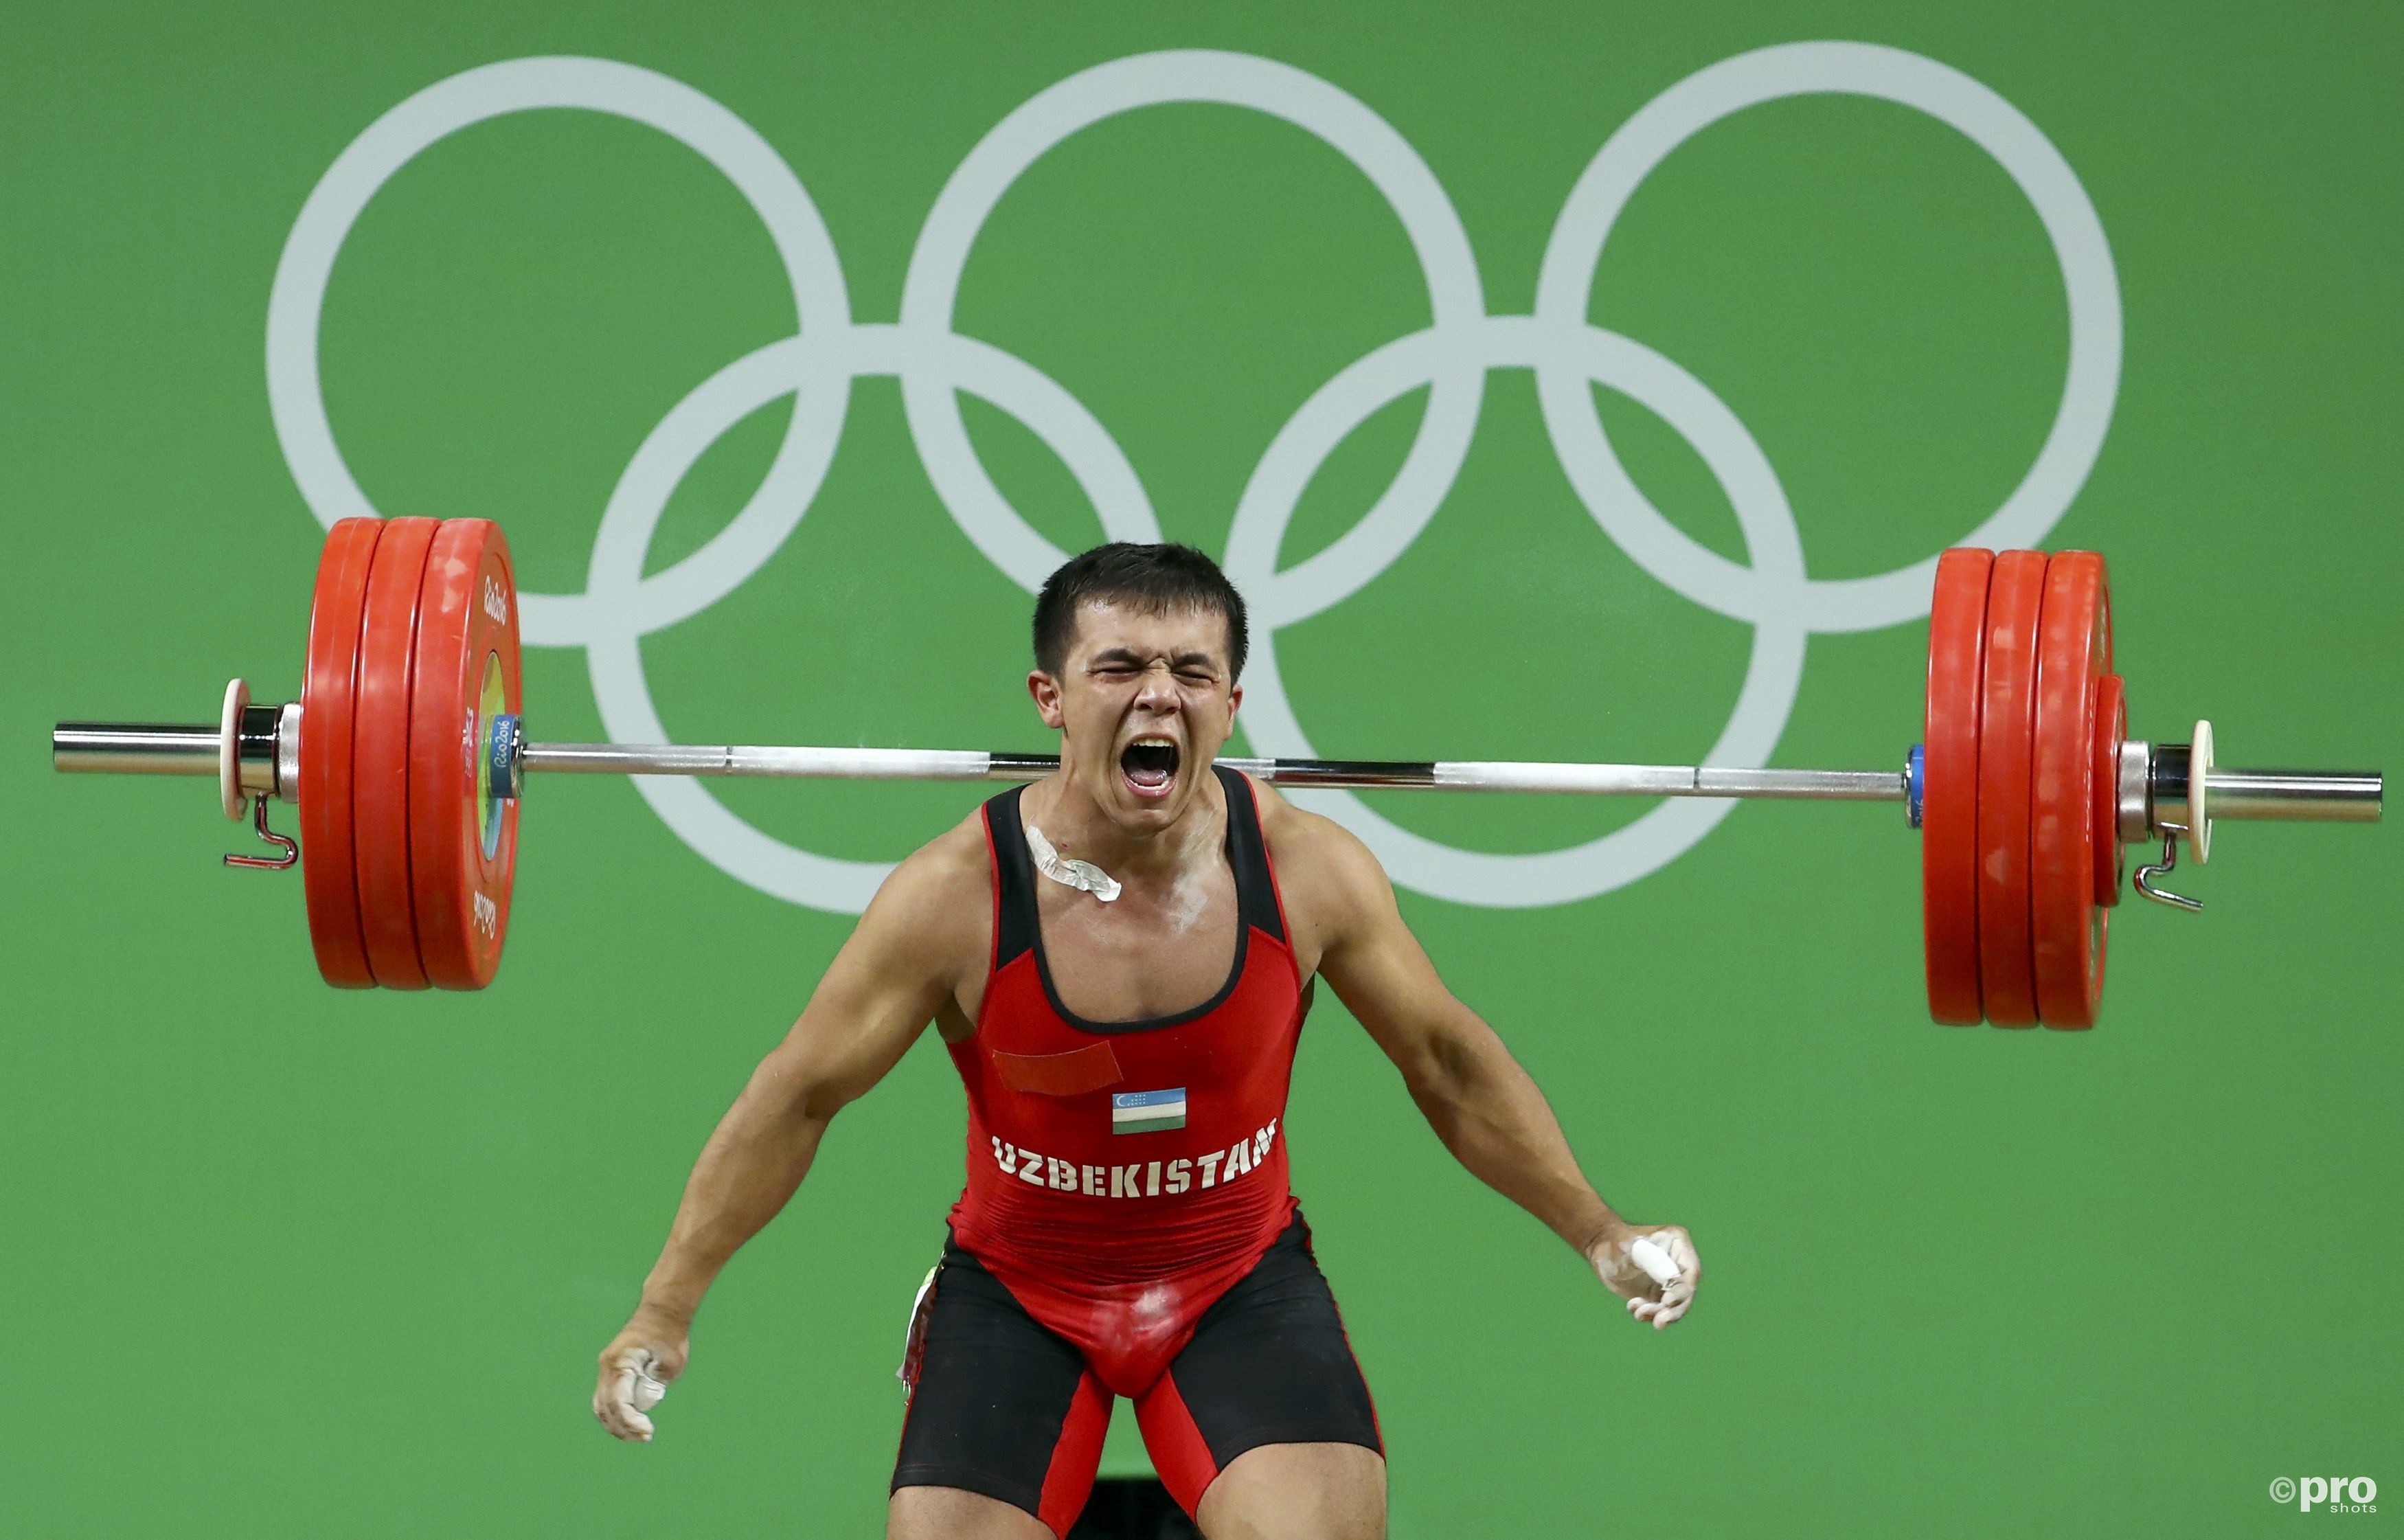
x,y
407,759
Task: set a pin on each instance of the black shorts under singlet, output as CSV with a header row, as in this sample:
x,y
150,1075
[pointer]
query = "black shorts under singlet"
x,y
1004,1406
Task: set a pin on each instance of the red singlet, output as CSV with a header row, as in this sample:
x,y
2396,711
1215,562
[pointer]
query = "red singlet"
x,y
1123,1175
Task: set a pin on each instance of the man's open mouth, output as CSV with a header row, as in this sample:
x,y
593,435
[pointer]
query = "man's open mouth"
x,y
1150,764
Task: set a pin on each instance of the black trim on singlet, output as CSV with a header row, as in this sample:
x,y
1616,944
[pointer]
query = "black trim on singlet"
x,y
1013,880
1017,931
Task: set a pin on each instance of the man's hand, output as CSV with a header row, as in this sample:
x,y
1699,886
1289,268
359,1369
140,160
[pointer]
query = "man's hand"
x,y
636,1368
1648,1300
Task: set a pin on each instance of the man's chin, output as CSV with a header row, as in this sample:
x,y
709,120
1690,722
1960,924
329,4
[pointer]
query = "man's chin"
x,y
1144,815
1138,812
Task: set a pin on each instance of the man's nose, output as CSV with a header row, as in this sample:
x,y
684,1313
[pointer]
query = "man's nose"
x,y
1158,691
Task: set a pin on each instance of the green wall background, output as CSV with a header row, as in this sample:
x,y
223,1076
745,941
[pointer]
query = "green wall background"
x,y
285,1260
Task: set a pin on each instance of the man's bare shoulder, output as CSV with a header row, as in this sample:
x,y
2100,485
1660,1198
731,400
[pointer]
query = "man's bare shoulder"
x,y
939,900
954,864
1320,862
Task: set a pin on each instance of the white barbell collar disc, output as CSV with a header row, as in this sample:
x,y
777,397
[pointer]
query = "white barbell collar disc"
x,y
2198,809
2090,286
229,792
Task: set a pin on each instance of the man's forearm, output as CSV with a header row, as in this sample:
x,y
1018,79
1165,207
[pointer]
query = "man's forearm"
x,y
1494,1120
754,1160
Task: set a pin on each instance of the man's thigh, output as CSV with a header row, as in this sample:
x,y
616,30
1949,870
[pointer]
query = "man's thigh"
x,y
1005,1424
1298,1491
1267,1395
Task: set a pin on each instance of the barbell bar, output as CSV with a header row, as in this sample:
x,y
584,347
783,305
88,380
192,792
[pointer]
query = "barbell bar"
x,y
407,757
147,749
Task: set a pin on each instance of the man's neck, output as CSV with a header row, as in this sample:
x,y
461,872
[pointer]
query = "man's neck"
x,y
1066,810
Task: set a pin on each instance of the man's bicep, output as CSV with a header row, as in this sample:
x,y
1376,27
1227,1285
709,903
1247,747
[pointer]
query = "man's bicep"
x,y
1374,964
885,983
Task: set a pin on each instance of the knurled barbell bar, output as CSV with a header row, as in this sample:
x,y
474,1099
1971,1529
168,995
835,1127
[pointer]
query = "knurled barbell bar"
x,y
406,758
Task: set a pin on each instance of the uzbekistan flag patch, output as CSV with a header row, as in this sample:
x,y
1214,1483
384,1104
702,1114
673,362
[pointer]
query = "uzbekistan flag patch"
x,y
1146,1112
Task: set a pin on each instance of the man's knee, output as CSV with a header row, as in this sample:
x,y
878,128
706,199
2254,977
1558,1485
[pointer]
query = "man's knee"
x,y
1298,1491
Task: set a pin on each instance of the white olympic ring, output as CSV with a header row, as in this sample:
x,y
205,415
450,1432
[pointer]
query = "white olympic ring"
x,y
1449,358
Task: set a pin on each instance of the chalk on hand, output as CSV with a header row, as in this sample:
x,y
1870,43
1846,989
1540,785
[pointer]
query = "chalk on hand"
x,y
1650,1255
644,1391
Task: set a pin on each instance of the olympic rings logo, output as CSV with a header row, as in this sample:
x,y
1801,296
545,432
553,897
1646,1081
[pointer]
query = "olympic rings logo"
x,y
1449,358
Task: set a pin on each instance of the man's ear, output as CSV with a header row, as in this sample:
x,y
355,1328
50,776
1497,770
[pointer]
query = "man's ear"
x,y
1046,691
1235,699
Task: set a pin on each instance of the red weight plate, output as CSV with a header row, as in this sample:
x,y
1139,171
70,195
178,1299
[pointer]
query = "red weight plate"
x,y
1949,803
380,754
2110,731
2007,720
2065,923
463,841
327,692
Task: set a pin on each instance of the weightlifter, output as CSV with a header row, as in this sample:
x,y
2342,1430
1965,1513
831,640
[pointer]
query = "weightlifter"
x,y
1119,958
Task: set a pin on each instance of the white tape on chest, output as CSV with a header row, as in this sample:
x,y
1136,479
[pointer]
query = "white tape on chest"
x,y
1084,876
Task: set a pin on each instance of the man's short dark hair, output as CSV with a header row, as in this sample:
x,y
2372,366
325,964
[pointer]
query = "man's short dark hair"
x,y
1153,579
